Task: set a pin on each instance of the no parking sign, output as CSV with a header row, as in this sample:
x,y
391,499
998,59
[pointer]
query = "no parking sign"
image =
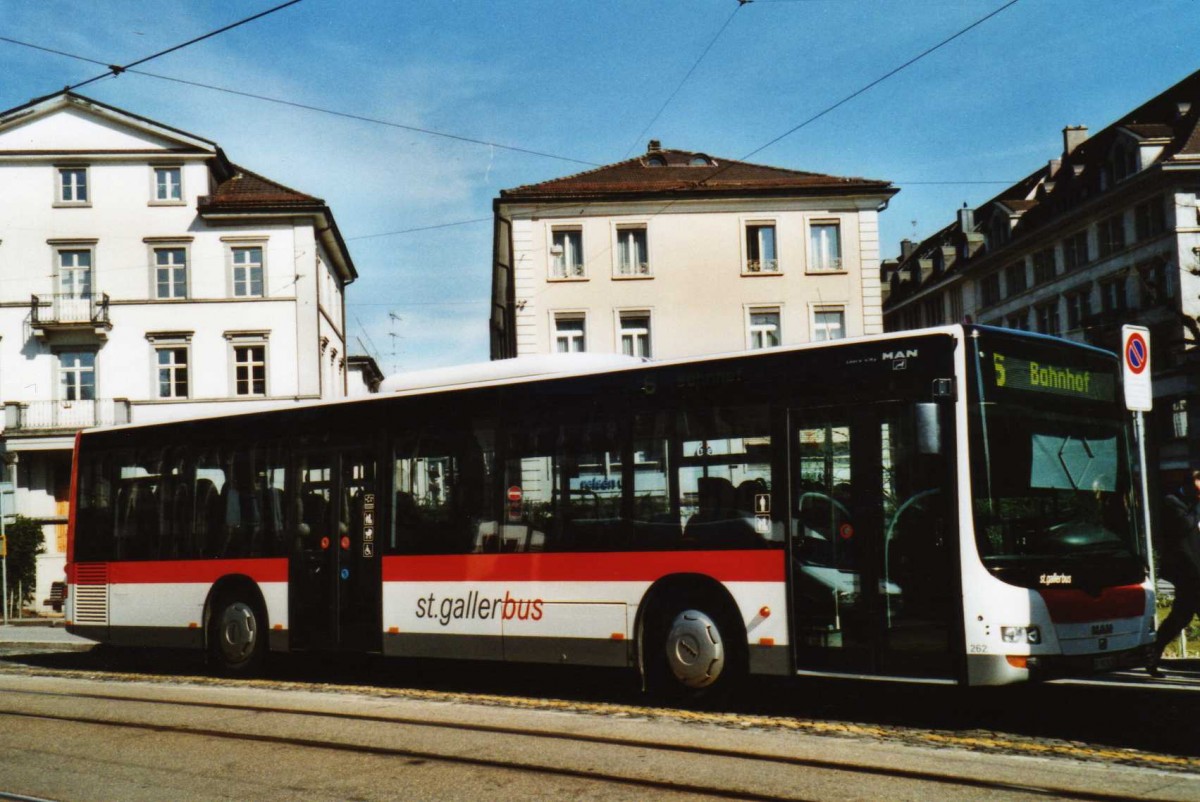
x,y
1135,359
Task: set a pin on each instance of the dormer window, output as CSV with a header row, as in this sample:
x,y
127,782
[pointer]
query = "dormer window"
x,y
700,160
656,161
1123,159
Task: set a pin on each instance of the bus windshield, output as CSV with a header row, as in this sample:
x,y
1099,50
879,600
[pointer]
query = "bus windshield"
x,y
1052,484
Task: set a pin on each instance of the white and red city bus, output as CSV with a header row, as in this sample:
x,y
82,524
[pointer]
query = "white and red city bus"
x,y
950,505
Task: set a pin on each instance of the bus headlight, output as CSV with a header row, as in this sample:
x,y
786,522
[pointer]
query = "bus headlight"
x,y
1020,634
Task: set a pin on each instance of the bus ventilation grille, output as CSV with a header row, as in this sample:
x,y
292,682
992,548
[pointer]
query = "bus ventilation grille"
x,y
91,593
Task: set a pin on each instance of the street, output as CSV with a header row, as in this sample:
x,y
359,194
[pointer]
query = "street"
x,y
84,723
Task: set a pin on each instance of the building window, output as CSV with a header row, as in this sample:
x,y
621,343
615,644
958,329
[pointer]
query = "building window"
x,y
1018,321
989,289
168,184
566,249
1015,278
956,304
1112,295
764,328
569,334
248,272
73,185
829,323
1156,282
935,311
1149,219
1075,251
77,375
632,256
75,274
1179,419
1047,318
170,273
761,256
825,246
1079,307
1112,235
172,367
635,333
1043,266
250,369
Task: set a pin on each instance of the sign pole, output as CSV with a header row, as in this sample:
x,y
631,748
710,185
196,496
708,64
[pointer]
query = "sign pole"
x,y
1139,399
4,560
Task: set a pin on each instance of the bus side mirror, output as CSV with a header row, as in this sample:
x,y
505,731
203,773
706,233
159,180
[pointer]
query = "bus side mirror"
x,y
929,428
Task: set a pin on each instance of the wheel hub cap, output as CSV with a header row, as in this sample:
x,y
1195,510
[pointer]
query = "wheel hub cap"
x,y
695,652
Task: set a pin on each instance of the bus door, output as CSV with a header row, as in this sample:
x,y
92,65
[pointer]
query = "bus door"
x,y
874,577
335,575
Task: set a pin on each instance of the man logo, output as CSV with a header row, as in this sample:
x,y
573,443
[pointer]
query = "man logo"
x,y
909,354
1102,629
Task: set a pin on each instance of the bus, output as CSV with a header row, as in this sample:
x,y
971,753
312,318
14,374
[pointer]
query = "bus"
x,y
951,505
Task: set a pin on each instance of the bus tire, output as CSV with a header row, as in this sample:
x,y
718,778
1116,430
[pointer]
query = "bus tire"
x,y
237,638
692,651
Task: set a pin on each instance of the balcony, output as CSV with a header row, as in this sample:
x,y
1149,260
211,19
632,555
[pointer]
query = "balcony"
x,y
47,417
66,312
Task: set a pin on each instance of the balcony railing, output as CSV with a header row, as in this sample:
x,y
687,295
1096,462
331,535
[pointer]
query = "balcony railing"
x,y
69,311
45,416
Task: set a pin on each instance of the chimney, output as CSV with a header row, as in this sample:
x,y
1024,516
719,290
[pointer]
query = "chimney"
x,y
907,247
1073,137
966,219
654,147
1052,167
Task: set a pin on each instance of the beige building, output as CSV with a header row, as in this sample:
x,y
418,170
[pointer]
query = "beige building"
x,y
676,253
1105,234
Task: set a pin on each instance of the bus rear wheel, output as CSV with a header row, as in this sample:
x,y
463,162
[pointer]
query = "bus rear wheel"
x,y
237,636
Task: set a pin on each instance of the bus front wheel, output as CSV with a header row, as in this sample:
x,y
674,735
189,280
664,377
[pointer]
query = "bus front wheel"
x,y
691,652
237,638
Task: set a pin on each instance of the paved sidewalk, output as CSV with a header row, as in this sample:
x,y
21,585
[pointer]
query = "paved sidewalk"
x,y
39,631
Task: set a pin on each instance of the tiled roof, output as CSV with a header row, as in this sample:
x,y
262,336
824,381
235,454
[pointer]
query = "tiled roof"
x,y
1150,130
247,190
678,172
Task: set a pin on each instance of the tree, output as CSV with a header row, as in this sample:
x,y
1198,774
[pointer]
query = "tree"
x,y
25,543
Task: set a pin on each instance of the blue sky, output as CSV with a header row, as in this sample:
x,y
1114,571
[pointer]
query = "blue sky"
x,y
581,81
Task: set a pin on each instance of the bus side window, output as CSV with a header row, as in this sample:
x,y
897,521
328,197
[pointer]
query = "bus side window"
x,y
589,478
529,521
437,499
94,520
725,470
656,522
209,515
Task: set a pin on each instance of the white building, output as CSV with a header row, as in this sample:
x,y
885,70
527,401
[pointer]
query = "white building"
x,y
144,276
676,253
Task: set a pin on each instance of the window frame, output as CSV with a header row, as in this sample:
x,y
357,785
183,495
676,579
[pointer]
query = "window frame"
x,y
840,259
154,246
647,333
155,200
241,340
171,341
748,223
232,247
752,329
551,258
60,186
822,309
617,229
92,370
565,315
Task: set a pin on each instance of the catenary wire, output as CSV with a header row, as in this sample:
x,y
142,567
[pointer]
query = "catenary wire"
x,y
881,79
667,102
115,70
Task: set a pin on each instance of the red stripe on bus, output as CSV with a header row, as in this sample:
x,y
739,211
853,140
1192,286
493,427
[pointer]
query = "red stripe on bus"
x,y
1071,606
73,499
726,566
274,569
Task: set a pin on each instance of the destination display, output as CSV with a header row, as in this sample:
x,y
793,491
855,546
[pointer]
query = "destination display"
x,y
1014,373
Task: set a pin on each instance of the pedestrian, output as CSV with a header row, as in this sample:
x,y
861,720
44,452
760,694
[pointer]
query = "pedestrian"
x,y
1180,553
